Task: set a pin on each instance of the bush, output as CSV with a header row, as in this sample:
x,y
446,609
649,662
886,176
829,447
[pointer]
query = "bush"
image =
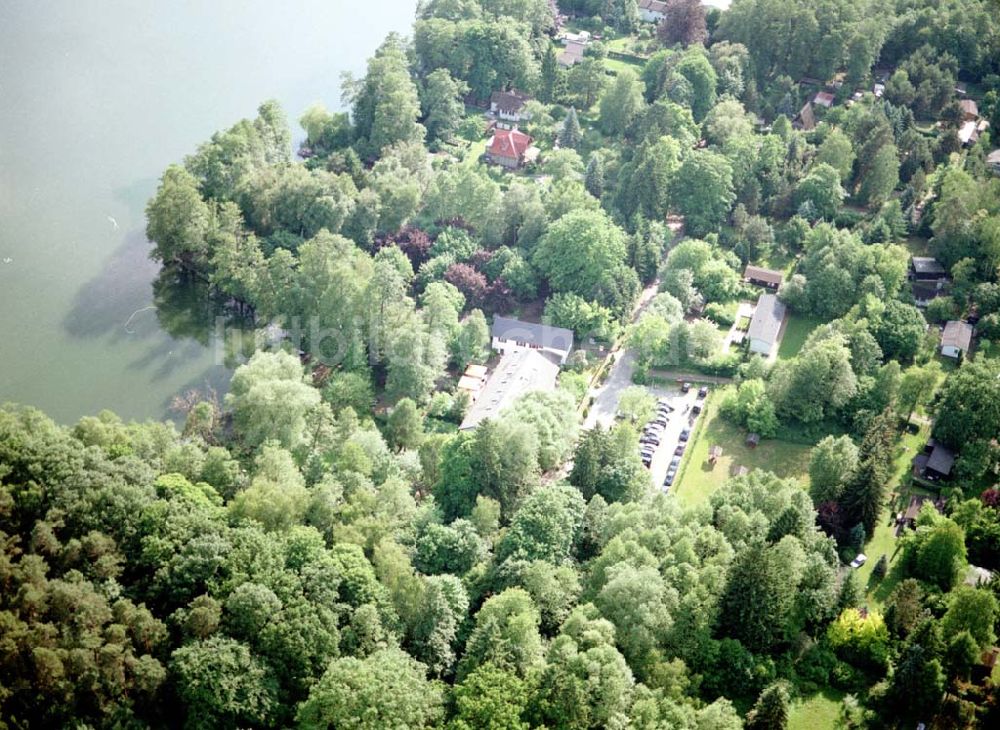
x,y
721,314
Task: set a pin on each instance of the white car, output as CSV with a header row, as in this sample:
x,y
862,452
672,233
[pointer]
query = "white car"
x,y
859,561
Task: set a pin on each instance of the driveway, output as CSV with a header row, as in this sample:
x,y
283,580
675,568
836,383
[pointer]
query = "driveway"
x,y
605,397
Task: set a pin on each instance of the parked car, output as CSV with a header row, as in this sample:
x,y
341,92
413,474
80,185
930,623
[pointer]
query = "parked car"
x,y
669,481
703,391
679,451
675,462
685,434
859,561
650,439
685,387
661,422
646,461
664,403
696,409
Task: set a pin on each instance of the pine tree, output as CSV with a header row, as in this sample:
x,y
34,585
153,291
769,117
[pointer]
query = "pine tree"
x,y
551,74
594,179
570,134
865,494
770,712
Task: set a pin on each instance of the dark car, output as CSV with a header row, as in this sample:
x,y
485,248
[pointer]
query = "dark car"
x,y
679,451
669,481
685,434
663,404
661,422
646,461
703,391
685,387
696,409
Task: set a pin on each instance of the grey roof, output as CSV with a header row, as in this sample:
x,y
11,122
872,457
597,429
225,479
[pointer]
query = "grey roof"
x,y
540,335
927,265
957,334
767,319
517,373
941,460
993,157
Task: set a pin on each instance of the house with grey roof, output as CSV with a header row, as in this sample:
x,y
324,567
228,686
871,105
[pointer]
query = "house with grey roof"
x,y
518,372
512,335
765,325
956,339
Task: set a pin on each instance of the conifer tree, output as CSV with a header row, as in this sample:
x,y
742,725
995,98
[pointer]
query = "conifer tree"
x,y
570,134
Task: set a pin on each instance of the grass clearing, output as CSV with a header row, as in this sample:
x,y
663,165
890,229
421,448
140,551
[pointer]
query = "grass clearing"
x,y
699,479
617,65
820,711
796,331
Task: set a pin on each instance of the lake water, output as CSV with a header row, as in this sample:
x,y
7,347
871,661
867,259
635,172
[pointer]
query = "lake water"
x,y
97,97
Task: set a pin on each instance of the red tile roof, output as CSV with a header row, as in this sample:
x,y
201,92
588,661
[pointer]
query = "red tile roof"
x,y
509,143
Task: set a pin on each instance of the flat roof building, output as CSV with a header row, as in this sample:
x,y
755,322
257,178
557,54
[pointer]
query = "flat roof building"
x,y
518,372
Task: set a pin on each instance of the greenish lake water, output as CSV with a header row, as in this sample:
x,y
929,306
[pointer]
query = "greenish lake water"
x,y
97,97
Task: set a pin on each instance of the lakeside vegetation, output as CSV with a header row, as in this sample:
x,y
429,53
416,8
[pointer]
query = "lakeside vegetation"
x,y
323,547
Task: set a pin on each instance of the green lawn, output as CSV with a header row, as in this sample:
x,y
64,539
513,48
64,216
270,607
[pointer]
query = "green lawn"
x,y
821,711
796,332
699,478
883,542
616,65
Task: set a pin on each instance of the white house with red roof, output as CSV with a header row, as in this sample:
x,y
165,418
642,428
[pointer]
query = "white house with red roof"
x,y
510,148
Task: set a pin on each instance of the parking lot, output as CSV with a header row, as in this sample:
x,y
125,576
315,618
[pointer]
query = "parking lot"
x,y
682,417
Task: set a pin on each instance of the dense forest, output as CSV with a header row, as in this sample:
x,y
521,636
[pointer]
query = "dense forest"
x,y
323,547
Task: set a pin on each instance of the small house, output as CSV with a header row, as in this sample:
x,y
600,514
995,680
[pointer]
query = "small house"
x,y
909,518
572,54
510,148
509,105
765,325
753,439
878,90
969,132
940,460
956,339
652,11
763,277
970,110
513,335
993,161
927,268
741,471
805,119
824,99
